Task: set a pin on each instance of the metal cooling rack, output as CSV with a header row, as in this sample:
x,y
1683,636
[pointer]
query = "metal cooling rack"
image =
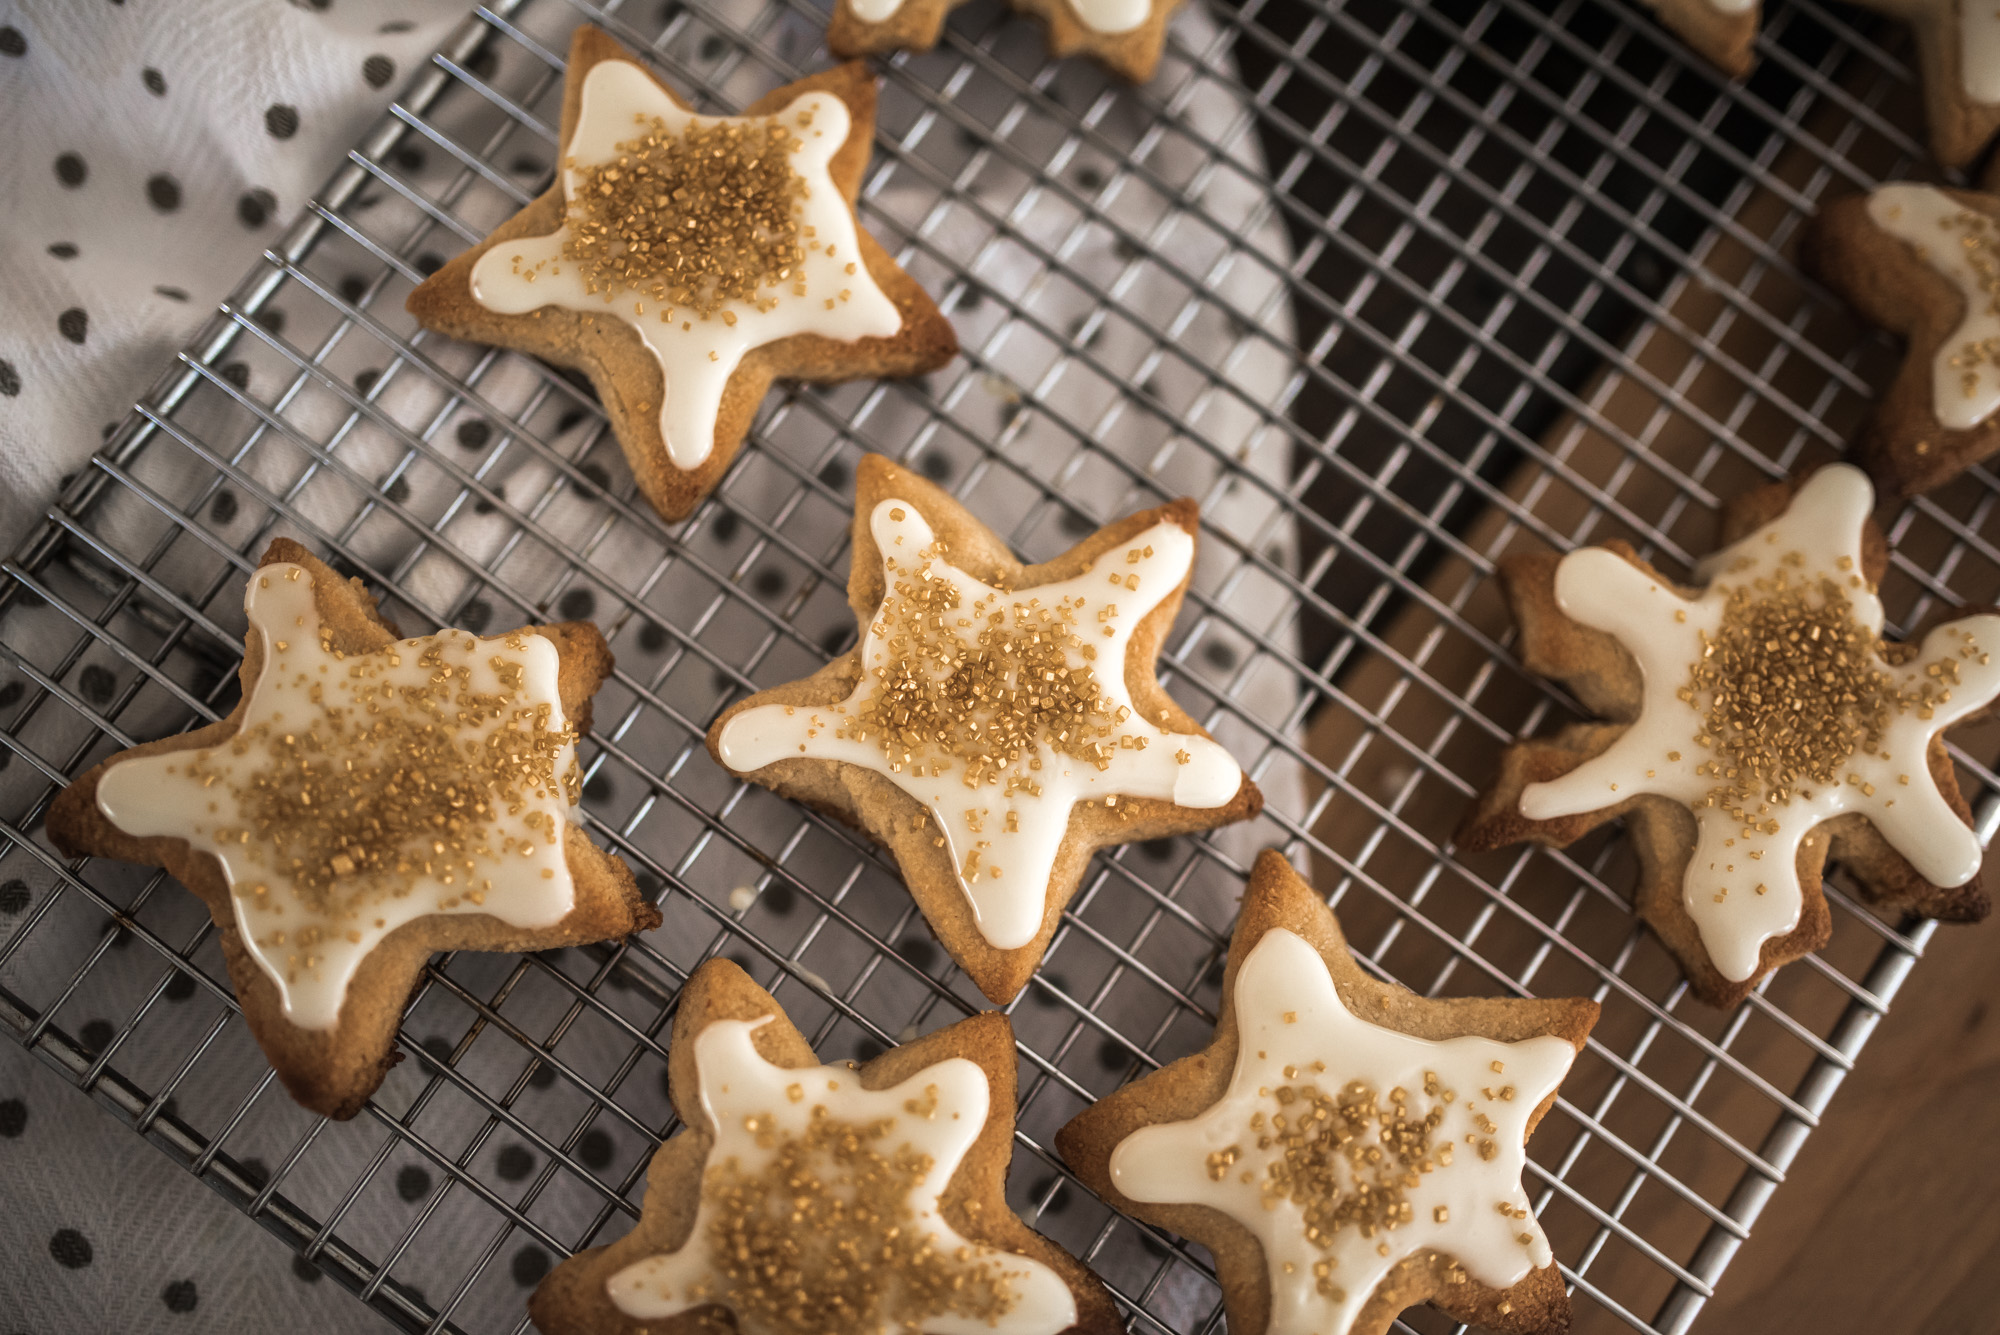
x,y
1390,289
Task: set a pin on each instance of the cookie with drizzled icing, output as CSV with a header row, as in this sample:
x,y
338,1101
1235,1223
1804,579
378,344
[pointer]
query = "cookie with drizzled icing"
x,y
1124,36
1923,263
997,722
1958,58
810,1199
1753,725
684,262
1346,1149
369,801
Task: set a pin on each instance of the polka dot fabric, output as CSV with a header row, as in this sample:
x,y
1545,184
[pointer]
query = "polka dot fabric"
x,y
153,148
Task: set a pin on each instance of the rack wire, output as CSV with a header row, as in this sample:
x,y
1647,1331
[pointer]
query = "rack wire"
x,y
1392,290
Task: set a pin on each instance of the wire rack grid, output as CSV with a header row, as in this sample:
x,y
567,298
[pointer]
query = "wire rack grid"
x,y
1392,290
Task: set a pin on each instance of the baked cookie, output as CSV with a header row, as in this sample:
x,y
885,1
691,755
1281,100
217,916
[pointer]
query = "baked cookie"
x,y
1958,58
1345,1148
683,262
820,1200
368,802
998,722
1755,726
1124,36
1923,263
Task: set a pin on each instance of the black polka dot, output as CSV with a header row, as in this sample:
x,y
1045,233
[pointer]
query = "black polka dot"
x,y
918,951
73,324
352,288
156,82
179,1296
398,490
1112,1055
439,1048
63,250
835,474
429,263
13,1118
542,1076
867,1050
515,1163
365,380
1077,524
600,788
652,636
1089,178
476,615
10,379
935,466
768,582
712,48
180,987
237,374
525,165
15,896
1219,655
272,320
396,26
596,474
305,1270
163,192
834,641
11,693
972,298
71,170
483,62
474,434
253,209
378,70
97,1035
482,506
529,1265
282,120
97,682
409,157
413,1183
170,293
577,605
727,525
1159,850
12,43
70,1248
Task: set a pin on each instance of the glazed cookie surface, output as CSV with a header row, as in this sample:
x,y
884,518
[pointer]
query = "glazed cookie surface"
x,y
1125,36
1755,726
1345,1148
1923,263
684,262
805,1199
369,801
1958,58
997,722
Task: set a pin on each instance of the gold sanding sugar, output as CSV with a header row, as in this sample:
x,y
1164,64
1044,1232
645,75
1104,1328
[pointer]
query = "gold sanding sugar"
x,y
1977,235
1790,687
696,218
392,782
1347,1160
821,1238
983,685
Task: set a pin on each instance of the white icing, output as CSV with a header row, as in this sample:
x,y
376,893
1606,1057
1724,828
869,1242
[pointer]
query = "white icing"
x,y
1965,378
515,872
696,355
1019,830
875,11
1289,1015
1979,48
1106,16
1731,6
1742,886
937,1112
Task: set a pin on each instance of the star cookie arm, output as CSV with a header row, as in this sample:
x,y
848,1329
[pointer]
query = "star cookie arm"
x,y
1723,31
1958,52
1905,447
333,1069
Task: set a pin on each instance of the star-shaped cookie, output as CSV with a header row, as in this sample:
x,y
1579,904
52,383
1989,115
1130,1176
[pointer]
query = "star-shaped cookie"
x,y
805,1199
1124,36
684,262
1345,1148
1758,723
1958,58
1924,263
369,801
997,722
